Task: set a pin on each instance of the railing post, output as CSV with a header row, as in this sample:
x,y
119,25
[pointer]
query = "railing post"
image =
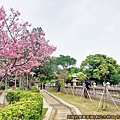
x,y
108,86
94,92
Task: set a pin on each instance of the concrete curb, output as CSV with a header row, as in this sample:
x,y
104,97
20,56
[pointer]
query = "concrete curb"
x,y
49,111
73,108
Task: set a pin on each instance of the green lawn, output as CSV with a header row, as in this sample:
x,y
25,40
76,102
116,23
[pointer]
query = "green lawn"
x,y
44,112
87,107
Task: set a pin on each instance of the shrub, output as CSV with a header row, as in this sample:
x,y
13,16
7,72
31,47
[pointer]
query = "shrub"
x,y
26,110
25,105
2,87
34,89
13,96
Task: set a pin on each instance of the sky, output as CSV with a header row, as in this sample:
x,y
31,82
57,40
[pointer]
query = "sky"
x,y
78,28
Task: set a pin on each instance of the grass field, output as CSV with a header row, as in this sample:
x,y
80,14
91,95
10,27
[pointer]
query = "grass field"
x,y
44,112
87,107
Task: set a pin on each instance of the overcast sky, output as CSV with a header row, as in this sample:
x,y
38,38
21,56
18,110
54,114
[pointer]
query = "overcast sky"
x,y
77,27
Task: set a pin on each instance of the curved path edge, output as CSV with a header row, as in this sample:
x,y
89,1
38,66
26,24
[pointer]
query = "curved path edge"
x,y
73,108
49,111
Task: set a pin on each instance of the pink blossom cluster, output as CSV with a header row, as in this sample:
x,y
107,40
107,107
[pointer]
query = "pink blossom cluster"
x,y
20,48
2,13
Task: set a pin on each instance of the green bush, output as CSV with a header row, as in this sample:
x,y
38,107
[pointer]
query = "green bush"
x,y
25,105
34,89
13,96
26,110
2,87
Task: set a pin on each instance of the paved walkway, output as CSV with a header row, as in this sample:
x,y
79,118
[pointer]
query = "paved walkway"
x,y
58,109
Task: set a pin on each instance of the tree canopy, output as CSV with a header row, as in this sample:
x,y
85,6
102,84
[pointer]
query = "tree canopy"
x,y
70,72
101,67
20,48
81,76
65,61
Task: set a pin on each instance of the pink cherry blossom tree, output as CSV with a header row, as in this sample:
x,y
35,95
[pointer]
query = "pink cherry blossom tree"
x,y
20,48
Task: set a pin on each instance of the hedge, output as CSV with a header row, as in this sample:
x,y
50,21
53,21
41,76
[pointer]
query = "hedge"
x,y
24,105
34,89
16,95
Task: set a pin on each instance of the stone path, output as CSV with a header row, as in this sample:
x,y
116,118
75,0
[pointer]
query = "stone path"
x,y
59,110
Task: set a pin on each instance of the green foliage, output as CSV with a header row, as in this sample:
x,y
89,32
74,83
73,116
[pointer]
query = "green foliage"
x,y
81,76
52,82
43,78
65,61
70,72
114,79
13,96
47,69
25,110
100,67
62,83
68,75
44,112
25,105
34,89
52,66
2,87
73,70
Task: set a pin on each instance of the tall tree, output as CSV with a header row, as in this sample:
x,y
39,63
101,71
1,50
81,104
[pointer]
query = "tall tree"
x,y
100,67
65,61
20,49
